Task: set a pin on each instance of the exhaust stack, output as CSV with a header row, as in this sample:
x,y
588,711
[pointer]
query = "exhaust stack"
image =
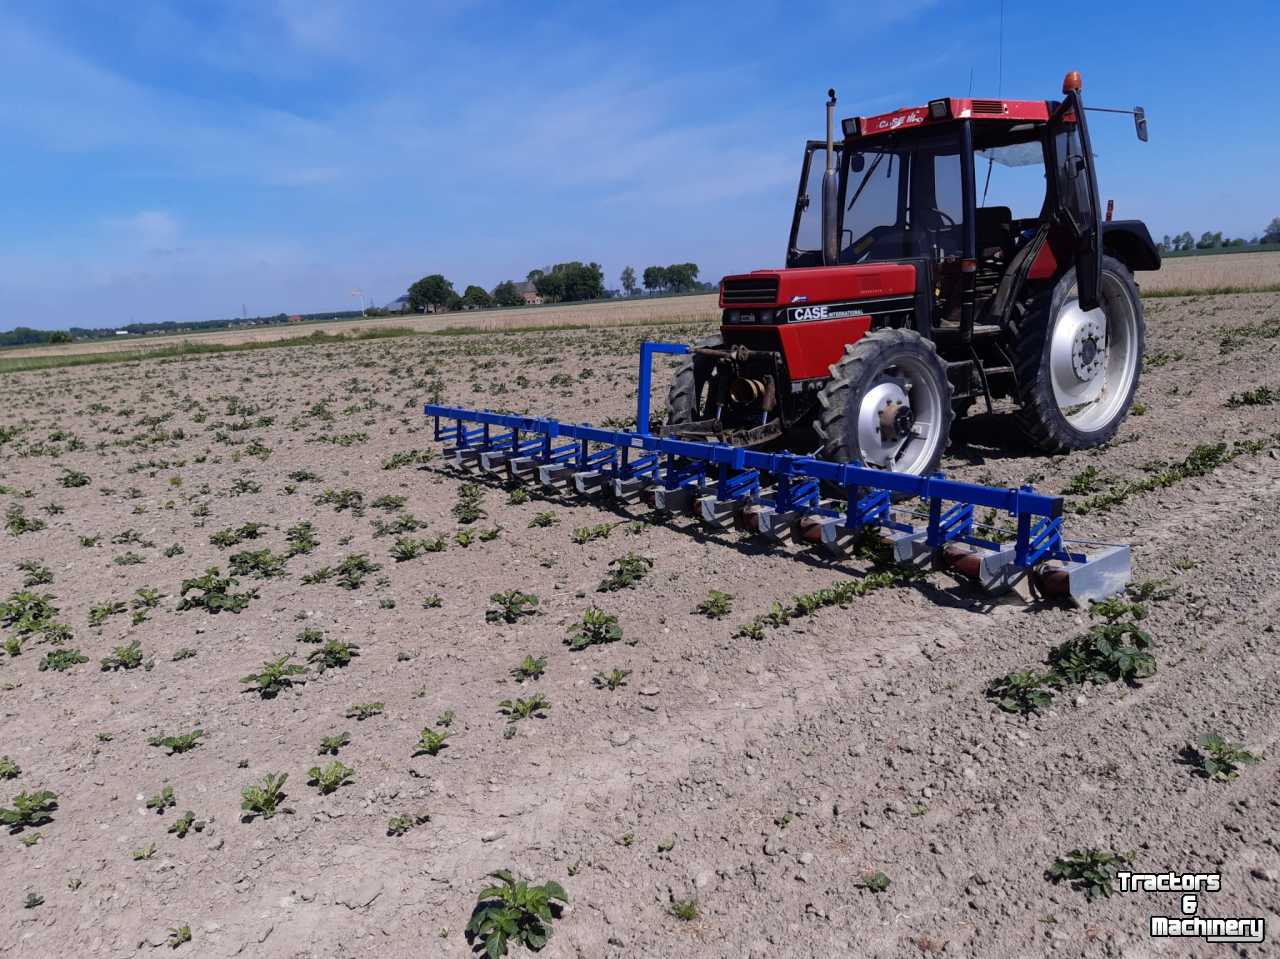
x,y
830,251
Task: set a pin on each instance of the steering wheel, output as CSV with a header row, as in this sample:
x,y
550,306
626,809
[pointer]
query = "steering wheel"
x,y
945,218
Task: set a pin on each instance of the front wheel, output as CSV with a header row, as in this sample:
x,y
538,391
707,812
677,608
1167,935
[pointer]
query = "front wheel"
x,y
1078,370
887,404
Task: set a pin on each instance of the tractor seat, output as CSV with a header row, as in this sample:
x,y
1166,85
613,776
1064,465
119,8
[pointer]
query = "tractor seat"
x,y
993,230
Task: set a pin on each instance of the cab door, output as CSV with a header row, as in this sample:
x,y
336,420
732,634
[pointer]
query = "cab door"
x,y
804,246
1076,194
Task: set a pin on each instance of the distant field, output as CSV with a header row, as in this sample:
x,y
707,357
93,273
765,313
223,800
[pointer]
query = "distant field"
x,y
1222,272
672,309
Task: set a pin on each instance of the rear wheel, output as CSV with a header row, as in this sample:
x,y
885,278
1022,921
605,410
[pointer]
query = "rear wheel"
x,y
1077,369
888,404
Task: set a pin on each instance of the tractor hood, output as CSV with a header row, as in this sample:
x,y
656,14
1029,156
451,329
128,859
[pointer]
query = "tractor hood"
x,y
817,284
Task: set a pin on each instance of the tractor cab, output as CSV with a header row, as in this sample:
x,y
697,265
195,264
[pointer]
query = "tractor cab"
x,y
895,231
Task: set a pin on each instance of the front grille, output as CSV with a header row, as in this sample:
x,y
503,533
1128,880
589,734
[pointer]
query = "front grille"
x,y
989,106
753,289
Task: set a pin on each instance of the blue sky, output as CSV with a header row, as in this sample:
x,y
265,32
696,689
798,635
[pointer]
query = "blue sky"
x,y
177,160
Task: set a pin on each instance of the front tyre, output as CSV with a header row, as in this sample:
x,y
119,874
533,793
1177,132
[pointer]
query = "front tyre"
x,y
1078,370
887,404
686,398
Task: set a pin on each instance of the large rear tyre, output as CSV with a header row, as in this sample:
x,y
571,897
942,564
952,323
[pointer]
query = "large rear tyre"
x,y
1077,370
686,397
887,404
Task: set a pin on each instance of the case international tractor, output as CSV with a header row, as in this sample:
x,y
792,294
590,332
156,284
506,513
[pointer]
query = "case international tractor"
x,y
906,301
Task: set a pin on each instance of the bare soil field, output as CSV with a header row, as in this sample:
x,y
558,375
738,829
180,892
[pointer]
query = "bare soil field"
x,y
736,793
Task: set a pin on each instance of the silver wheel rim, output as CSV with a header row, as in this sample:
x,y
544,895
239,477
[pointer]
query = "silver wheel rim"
x,y
1093,357
900,418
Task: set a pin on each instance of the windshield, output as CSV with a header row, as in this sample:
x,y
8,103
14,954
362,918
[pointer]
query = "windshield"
x,y
901,197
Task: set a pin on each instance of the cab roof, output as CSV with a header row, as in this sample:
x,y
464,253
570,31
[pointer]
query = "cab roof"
x,y
956,108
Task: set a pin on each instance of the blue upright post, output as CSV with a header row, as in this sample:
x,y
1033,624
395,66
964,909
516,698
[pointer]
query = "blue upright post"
x,y
646,379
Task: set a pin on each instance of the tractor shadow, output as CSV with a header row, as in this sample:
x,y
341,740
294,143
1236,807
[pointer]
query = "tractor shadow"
x,y
984,437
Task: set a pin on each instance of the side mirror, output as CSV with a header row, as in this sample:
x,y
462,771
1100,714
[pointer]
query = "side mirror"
x,y
858,162
1140,123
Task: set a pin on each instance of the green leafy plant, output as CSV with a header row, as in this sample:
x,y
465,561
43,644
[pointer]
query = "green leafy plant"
x,y
612,679
36,574
353,570
445,719
310,634
124,657
258,563
186,823
431,742
625,572
530,668
587,534
717,605
60,660
330,777
684,909
264,800
301,538
276,675
235,535
595,627
432,602
8,768
512,911
71,479
468,508
534,706
333,654
875,882
1021,692
212,593
178,935
330,745
544,519
100,613
1217,759
1090,871
362,711
182,743
17,522
399,825
29,810
162,800
510,606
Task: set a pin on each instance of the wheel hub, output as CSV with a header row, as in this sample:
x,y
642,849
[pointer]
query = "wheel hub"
x,y
1088,349
1078,355
896,420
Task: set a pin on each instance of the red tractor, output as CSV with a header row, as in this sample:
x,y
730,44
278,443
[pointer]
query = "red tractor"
x,y
906,299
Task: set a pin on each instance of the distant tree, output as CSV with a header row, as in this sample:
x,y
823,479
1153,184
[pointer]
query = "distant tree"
x,y
476,296
569,282
535,275
60,336
629,281
550,286
506,294
1209,241
431,291
1165,245
1272,233
454,302
655,278
682,277
1184,241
